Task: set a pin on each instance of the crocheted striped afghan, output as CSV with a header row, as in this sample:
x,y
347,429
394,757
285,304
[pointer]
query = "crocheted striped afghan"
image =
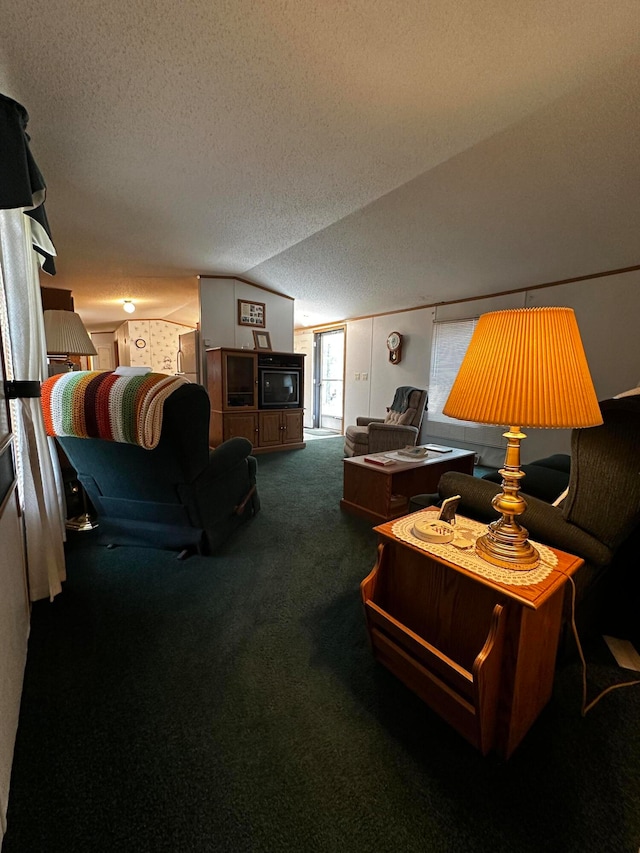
x,y
101,404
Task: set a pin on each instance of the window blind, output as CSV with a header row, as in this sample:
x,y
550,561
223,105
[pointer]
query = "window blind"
x,y
450,342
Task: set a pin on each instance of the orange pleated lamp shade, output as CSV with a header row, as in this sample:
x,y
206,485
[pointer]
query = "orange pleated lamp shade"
x,y
525,367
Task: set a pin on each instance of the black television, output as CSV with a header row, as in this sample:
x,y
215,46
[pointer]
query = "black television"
x,y
279,388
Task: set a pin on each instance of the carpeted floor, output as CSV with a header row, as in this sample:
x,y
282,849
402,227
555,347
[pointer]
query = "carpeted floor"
x,y
231,703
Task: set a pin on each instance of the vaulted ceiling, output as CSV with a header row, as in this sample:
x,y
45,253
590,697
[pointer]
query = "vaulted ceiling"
x,y
358,155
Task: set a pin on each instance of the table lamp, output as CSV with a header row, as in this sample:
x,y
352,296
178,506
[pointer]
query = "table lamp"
x,y
524,367
66,335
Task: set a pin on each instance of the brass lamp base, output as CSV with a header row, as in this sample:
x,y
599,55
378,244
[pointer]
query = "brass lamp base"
x,y
82,522
505,544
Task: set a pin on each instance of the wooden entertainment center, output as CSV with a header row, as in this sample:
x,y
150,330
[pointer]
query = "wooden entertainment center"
x,y
256,395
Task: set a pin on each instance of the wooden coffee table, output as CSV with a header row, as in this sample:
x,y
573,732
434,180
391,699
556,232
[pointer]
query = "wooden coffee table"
x,y
380,493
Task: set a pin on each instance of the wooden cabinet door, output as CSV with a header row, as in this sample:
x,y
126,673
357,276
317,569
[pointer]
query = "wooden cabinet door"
x,y
241,424
270,433
292,423
239,380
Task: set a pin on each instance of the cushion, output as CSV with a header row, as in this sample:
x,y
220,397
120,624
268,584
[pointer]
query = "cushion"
x,y
557,462
400,418
133,370
539,481
561,497
358,435
631,393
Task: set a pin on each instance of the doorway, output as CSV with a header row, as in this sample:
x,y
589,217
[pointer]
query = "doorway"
x,y
328,404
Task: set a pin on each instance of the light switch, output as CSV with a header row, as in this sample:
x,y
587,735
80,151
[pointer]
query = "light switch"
x,y
357,375
365,376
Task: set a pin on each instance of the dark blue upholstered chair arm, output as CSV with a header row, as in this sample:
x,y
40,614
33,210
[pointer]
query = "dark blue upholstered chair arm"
x,y
224,493
226,456
544,522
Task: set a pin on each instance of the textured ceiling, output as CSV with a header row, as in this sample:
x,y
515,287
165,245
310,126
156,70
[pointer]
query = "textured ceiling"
x,y
360,156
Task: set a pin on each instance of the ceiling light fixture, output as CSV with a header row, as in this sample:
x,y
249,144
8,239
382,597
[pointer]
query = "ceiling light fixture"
x,y
128,306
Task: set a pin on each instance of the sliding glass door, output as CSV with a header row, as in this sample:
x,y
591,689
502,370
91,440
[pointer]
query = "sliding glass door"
x,y
329,380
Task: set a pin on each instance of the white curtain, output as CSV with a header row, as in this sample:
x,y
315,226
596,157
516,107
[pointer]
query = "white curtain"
x,y
39,480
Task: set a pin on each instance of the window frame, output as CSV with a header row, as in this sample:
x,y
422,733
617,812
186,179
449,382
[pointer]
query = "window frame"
x,y
446,358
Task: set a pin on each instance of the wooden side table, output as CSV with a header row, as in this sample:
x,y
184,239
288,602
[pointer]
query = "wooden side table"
x,y
479,652
379,493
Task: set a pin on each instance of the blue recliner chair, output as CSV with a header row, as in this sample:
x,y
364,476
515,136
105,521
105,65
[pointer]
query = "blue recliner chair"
x,y
181,495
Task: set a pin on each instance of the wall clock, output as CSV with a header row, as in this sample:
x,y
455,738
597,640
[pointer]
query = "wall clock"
x,y
394,345
141,343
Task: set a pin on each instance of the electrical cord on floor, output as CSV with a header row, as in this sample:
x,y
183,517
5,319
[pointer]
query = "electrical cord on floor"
x,y
586,708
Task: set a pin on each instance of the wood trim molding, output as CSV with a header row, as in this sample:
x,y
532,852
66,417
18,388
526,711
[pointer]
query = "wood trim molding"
x,y
252,283
477,298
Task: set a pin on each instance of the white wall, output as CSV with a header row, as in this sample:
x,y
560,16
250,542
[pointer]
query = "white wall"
x,y
608,314
158,344
370,378
358,340
416,330
219,314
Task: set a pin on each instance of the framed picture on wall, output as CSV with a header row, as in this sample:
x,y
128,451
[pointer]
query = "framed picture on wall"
x,y
261,340
251,314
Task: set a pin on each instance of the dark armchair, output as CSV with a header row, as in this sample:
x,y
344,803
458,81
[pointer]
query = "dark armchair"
x,y
400,427
599,520
181,495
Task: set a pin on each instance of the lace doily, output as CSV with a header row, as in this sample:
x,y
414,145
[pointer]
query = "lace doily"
x,y
467,558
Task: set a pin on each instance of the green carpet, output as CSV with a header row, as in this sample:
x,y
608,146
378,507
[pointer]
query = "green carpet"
x,y
231,703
